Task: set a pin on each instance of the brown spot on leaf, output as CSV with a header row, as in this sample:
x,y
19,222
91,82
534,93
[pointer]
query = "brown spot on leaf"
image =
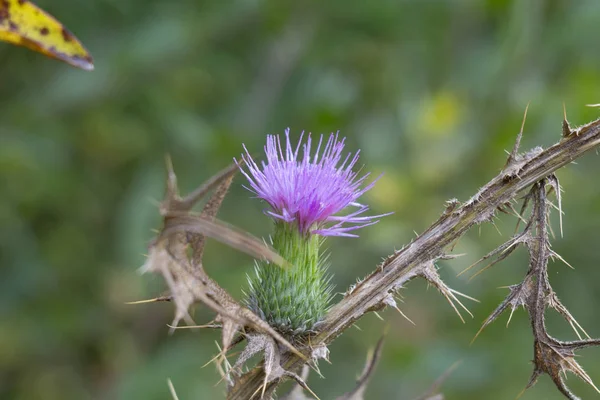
x,y
44,31
67,36
4,14
12,26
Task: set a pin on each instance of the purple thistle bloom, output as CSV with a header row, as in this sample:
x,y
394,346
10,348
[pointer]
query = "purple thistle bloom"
x,y
310,191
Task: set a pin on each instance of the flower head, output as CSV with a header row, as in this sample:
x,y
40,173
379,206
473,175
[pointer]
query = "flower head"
x,y
311,190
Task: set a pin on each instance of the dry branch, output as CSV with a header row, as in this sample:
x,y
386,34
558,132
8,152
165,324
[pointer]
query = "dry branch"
x,y
520,172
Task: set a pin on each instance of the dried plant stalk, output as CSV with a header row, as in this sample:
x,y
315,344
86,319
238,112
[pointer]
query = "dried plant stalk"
x,y
520,172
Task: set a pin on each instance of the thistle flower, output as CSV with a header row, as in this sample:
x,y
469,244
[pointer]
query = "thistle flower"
x,y
306,196
311,191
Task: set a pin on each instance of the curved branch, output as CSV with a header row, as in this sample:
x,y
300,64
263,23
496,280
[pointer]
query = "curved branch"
x,y
520,172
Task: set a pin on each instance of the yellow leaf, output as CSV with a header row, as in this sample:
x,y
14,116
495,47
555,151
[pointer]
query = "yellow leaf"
x,y
23,23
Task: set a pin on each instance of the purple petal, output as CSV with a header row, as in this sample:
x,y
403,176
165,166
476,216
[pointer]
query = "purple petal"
x,y
310,191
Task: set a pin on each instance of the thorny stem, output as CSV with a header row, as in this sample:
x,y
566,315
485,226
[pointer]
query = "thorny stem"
x,y
520,172
539,262
551,356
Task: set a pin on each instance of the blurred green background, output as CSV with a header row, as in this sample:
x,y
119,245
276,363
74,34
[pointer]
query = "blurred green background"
x,y
433,94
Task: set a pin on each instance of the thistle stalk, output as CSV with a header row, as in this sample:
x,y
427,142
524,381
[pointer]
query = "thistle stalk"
x,y
305,195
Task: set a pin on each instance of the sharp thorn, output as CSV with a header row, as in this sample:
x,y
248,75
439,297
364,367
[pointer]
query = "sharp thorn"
x,y
513,154
566,129
477,334
172,389
555,254
404,315
154,300
194,326
464,295
452,291
454,307
264,386
512,310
